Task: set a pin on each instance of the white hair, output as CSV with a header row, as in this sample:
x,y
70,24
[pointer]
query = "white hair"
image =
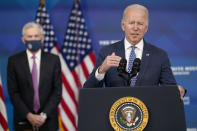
x,y
32,25
139,7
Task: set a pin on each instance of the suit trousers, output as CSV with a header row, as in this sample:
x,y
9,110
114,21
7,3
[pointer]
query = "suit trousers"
x,y
26,126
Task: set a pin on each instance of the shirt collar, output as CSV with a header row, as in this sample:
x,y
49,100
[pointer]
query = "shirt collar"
x,y
139,45
38,54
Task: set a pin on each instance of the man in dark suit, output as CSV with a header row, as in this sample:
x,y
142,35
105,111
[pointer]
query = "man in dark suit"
x,y
34,83
155,66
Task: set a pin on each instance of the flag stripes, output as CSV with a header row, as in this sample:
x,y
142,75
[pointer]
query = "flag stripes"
x,y
77,61
3,113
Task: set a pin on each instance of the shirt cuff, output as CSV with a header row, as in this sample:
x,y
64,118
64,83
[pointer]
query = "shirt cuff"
x,y
99,76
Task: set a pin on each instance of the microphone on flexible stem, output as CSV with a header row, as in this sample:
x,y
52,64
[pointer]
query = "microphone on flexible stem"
x,y
122,68
135,67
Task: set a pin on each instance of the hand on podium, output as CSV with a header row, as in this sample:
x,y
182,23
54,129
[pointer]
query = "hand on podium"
x,y
182,91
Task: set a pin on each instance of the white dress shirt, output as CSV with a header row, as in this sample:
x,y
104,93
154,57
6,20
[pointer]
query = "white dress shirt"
x,y
138,51
30,60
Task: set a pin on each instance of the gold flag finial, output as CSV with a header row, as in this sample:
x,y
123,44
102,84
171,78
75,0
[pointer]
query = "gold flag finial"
x,y
77,1
42,2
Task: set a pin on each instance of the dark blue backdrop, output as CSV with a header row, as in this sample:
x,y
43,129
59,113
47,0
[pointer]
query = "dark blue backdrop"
x,y
172,27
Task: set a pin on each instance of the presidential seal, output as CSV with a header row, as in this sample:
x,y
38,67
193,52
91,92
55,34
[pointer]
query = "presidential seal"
x,y
128,114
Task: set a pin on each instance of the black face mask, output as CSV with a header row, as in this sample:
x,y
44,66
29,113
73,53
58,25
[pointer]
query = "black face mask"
x,y
33,45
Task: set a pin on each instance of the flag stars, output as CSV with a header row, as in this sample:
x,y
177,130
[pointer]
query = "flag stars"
x,y
70,44
74,45
46,38
47,20
79,12
73,57
77,58
43,14
89,40
69,50
84,39
73,51
76,38
38,14
76,6
73,18
42,17
80,39
71,64
83,46
37,20
51,39
64,50
51,32
80,32
79,45
71,38
71,24
65,43
73,11
82,20
68,31
43,9
82,52
51,44
78,19
67,37
73,31
81,26
88,46
68,57
85,34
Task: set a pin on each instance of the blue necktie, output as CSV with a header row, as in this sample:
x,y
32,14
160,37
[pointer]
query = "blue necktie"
x,y
131,59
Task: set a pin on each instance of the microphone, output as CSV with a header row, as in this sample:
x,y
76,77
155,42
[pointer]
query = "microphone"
x,y
136,67
122,69
122,66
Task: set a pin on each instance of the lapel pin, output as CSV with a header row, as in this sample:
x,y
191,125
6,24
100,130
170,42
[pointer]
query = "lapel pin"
x,y
147,54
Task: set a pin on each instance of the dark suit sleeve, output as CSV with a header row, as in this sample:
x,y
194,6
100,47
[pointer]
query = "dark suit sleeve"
x,y
92,81
166,76
14,91
56,93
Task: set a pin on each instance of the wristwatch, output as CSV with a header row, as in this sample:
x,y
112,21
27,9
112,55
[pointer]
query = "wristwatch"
x,y
44,115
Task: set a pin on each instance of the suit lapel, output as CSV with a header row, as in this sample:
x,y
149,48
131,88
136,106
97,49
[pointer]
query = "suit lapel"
x,y
120,50
26,69
43,66
144,62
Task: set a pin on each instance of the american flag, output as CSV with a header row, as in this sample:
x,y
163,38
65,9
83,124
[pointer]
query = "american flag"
x,y
77,61
43,18
3,114
79,57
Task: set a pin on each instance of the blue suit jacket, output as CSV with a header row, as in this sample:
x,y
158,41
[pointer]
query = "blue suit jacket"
x,y
154,70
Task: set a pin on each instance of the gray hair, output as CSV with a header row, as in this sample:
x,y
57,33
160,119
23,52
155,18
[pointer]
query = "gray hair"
x,y
139,7
32,25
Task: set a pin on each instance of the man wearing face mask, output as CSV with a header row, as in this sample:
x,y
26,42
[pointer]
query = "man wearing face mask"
x,y
34,83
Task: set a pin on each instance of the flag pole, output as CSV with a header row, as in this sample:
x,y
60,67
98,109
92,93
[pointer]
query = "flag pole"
x,y
42,2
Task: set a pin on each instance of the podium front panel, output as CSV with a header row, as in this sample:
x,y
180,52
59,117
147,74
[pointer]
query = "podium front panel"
x,y
166,110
